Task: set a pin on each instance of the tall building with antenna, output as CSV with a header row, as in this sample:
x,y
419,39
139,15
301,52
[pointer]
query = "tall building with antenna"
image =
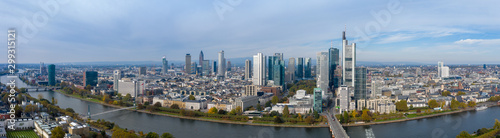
x,y
164,67
348,62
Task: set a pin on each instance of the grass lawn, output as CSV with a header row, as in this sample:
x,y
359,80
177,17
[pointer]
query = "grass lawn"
x,y
22,134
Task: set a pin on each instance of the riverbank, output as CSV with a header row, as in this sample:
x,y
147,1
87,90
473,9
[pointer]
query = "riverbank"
x,y
196,118
414,118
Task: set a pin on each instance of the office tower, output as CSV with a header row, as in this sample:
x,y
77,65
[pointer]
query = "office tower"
x,y
334,80
132,87
440,66
117,75
323,71
307,68
142,70
194,67
484,66
300,68
318,100
221,67
90,78
270,66
52,75
344,99
290,70
228,66
164,68
214,67
248,69
279,70
259,70
187,68
418,72
376,88
43,69
206,67
201,58
360,84
348,62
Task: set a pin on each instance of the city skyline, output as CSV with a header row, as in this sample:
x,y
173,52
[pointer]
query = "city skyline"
x,y
408,34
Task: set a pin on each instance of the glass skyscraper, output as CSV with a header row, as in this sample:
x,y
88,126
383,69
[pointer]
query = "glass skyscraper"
x,y
360,84
300,68
307,68
334,80
52,75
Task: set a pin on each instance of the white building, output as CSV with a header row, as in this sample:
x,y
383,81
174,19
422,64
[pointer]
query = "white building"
x,y
131,87
246,101
221,69
348,62
259,69
322,71
344,99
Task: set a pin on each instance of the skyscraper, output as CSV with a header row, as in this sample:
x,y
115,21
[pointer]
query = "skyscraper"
x,y
205,67
323,71
290,70
360,84
228,66
90,78
300,68
443,71
348,62
164,68
214,67
201,59
142,70
318,102
52,75
440,66
278,69
117,75
259,70
221,67
307,68
344,99
194,67
188,64
248,69
43,69
334,80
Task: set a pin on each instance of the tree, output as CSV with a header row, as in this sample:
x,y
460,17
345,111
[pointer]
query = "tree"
x,y
482,131
433,104
365,116
460,93
88,87
70,110
20,97
316,114
222,112
174,106
157,104
277,120
497,124
464,134
454,104
346,117
446,93
58,132
238,110
402,105
471,104
309,120
139,106
275,100
191,97
285,111
40,96
19,110
274,113
167,135
259,107
212,110
127,97
152,135
268,104
354,113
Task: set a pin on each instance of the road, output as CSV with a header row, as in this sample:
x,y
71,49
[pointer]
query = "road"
x,y
337,129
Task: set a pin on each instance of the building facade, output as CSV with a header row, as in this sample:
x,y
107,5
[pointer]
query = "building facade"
x,y
259,70
52,75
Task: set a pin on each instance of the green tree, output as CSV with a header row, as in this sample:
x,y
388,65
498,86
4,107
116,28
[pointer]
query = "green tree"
x,y
259,107
433,104
316,114
285,111
471,104
221,112
454,104
309,120
57,132
445,93
460,93
238,109
482,131
191,97
277,120
127,97
167,135
157,104
365,116
346,117
402,105
88,87
497,124
212,110
464,134
152,135
174,106
275,100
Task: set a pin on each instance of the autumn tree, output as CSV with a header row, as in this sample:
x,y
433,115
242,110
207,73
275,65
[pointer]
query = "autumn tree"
x,y
402,105
471,104
174,106
191,97
275,100
464,134
167,135
285,111
58,132
445,93
152,135
212,110
433,104
365,116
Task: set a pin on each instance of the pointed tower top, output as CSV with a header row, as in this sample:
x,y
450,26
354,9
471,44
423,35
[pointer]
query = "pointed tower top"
x,y
331,44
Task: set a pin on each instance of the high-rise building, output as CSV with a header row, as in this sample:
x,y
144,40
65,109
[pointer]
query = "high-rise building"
x,y
418,72
360,84
222,64
259,70
323,71
318,100
142,70
484,66
440,66
334,79
117,75
376,88
348,62
164,68
228,66
201,58
214,67
187,68
307,68
43,69
290,70
194,67
206,68
90,78
52,75
344,99
248,69
300,68
276,69
443,71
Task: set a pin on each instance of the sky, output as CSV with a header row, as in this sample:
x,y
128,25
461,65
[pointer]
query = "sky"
x,y
423,31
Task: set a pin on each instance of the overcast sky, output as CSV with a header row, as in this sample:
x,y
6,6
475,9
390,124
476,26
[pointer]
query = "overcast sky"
x,y
453,31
